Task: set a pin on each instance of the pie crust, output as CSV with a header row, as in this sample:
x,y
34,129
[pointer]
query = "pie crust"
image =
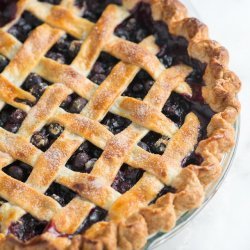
x,y
131,220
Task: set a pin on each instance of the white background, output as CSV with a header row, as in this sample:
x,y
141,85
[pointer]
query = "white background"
x,y
224,223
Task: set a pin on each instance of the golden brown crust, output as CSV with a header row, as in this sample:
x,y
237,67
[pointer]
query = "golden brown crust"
x,y
160,215
133,233
102,234
220,91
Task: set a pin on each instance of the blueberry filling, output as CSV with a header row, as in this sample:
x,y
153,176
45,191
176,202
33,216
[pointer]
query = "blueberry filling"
x,y
182,105
193,158
135,28
80,3
11,118
24,26
27,227
140,86
60,193
176,108
115,123
94,8
126,178
102,68
44,138
8,10
35,84
54,2
65,50
74,104
165,190
154,143
18,170
84,158
96,214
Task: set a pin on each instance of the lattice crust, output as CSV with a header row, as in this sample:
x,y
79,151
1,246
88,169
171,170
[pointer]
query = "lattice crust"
x,y
130,218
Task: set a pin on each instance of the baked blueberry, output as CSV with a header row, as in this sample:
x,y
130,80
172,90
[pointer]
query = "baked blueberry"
x,y
13,121
56,57
38,89
18,170
40,140
55,130
24,26
80,160
126,178
77,105
115,123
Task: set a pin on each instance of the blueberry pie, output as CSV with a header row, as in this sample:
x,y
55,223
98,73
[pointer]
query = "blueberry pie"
x,y
114,117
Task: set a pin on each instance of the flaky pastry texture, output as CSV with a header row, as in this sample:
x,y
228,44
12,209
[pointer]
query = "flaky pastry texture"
x,y
130,229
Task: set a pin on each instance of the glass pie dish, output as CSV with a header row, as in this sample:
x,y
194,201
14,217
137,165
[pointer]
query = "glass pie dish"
x,y
160,238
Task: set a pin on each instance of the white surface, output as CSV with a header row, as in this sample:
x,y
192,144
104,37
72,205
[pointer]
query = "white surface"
x,y
224,223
